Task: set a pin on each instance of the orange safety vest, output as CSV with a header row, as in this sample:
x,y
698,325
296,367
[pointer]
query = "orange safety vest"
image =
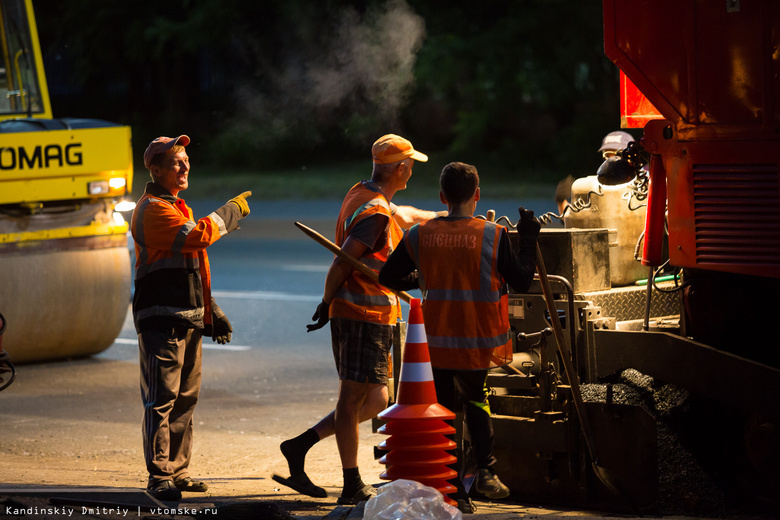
x,y
172,274
465,302
361,298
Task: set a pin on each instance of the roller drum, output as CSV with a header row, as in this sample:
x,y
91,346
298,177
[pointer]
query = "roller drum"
x,y
63,298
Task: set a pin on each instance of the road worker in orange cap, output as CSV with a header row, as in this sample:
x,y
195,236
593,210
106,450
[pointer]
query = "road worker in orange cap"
x,y
362,314
173,309
463,266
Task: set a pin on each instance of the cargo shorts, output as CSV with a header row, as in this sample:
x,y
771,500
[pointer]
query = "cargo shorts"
x,y
361,350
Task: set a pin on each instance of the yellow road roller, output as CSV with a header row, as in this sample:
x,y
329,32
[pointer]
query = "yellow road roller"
x,y
64,258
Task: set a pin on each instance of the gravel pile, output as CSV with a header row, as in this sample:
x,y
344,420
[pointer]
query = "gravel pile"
x,y
685,487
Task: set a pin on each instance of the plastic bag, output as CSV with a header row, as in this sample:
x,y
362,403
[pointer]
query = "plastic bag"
x,y
409,500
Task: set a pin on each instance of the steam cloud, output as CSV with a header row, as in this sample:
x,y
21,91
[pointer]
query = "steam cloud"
x,y
365,75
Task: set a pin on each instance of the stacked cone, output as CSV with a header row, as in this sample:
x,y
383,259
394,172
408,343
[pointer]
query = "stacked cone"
x,y
418,443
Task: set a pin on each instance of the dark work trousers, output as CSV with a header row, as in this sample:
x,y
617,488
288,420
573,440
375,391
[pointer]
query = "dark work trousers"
x,y
170,384
466,391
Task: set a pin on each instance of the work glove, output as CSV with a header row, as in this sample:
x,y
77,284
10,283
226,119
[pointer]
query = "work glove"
x,y
221,330
321,317
240,201
528,226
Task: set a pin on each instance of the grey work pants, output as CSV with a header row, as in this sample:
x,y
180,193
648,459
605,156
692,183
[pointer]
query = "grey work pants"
x,y
170,383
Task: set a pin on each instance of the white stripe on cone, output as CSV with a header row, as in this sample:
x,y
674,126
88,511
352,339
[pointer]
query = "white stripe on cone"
x,y
416,373
415,333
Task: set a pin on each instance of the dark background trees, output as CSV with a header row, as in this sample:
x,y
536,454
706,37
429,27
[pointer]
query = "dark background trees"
x,y
284,83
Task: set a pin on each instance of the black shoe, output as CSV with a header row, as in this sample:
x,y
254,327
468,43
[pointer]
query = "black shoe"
x,y
364,493
188,484
163,490
301,484
466,506
489,485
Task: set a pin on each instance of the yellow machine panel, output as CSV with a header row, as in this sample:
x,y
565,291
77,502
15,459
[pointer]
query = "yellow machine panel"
x,y
65,164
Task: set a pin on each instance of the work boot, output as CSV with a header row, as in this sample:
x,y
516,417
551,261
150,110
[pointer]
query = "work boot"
x,y
489,485
163,490
466,506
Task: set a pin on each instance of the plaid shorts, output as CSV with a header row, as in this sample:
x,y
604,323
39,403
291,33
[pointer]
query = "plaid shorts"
x,y
361,350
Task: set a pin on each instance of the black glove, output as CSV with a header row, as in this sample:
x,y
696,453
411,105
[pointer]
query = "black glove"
x,y
321,317
221,330
528,226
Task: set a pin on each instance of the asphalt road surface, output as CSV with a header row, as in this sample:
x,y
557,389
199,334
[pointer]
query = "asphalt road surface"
x,y
74,426
77,423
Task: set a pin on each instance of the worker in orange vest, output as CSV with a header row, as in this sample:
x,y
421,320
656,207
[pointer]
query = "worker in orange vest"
x,y
173,310
464,265
361,315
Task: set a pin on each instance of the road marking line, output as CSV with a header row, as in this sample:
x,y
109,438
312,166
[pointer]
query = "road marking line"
x,y
125,341
266,295
226,347
307,268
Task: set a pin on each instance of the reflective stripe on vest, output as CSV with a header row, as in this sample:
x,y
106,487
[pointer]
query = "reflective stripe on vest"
x,y
220,222
366,300
376,202
465,343
181,236
191,315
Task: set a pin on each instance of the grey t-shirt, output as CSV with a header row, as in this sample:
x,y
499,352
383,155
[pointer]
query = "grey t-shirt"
x,y
370,230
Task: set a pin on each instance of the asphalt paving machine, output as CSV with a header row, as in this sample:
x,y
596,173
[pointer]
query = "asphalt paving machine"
x,y
667,271
64,261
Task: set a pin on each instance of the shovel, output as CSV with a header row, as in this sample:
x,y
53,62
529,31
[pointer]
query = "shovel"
x,y
357,264
604,475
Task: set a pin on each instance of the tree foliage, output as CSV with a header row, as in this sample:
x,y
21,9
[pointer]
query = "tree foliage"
x,y
282,83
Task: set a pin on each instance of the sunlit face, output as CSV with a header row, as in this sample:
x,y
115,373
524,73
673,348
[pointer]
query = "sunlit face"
x,y
406,172
174,171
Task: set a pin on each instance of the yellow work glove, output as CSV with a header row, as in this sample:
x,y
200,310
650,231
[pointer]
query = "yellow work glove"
x,y
241,202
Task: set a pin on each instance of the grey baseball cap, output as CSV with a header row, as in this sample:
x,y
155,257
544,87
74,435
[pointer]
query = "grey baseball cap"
x,y
616,141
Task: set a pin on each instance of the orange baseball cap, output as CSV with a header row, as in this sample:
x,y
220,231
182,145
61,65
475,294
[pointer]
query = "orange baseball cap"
x,y
392,148
162,144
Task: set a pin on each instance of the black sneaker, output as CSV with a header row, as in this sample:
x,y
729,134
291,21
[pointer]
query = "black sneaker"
x,y
489,485
466,506
163,490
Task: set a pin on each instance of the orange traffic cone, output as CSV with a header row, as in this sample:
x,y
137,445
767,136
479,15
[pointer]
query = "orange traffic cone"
x,y
416,397
416,424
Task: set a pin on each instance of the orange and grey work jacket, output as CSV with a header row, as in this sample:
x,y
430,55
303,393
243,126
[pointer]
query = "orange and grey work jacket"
x,y
465,302
172,276
361,298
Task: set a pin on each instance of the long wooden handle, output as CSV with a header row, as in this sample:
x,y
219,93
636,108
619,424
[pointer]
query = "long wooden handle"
x,y
357,264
